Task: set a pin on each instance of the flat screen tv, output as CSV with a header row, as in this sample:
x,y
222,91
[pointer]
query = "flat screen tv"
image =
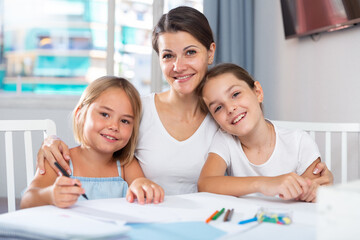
x,y
308,17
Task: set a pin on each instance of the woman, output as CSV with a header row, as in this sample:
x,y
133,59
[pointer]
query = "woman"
x,y
175,132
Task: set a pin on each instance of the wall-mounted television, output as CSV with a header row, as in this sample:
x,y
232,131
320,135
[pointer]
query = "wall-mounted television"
x,y
308,17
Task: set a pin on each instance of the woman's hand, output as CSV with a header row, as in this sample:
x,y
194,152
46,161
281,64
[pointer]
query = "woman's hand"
x,y
326,177
64,193
53,149
145,191
287,186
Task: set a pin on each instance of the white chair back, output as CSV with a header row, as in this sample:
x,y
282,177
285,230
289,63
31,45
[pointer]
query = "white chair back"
x,y
329,129
26,126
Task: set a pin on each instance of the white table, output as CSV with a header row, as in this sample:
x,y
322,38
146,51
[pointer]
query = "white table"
x,y
171,218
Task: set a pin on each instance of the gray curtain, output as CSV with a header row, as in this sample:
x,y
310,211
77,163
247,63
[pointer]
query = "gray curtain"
x,y
232,22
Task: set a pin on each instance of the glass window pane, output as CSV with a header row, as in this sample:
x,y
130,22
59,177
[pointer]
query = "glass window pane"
x,y
59,46
134,21
53,46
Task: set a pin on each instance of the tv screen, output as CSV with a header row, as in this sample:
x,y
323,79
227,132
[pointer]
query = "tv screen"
x,y
307,17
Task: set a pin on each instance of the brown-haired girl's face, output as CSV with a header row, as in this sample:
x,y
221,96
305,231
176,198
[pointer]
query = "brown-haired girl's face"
x,y
109,121
183,60
233,104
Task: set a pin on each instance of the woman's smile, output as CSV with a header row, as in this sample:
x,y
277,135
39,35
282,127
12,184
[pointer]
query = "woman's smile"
x,y
185,78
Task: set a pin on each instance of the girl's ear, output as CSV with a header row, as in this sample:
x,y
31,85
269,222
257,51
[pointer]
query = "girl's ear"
x,y
259,92
77,113
211,53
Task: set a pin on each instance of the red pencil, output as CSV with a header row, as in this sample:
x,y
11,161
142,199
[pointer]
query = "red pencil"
x,y
209,219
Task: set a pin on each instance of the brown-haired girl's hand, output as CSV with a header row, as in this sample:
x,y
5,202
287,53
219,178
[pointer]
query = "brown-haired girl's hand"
x,y
325,178
53,149
64,193
287,186
145,191
310,195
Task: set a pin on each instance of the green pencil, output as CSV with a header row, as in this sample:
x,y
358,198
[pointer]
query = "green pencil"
x,y
218,214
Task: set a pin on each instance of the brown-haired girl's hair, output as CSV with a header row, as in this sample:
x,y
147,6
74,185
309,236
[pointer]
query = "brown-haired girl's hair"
x,y
185,19
90,94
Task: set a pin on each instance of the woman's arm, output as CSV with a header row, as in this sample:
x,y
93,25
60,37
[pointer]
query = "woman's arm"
x,y
309,172
326,176
320,175
49,189
212,179
141,187
53,149
310,195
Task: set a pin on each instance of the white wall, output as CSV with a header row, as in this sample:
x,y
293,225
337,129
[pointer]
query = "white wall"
x,y
307,80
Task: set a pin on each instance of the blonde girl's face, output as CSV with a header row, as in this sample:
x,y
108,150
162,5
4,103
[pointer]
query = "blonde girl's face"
x,y
109,121
233,104
183,60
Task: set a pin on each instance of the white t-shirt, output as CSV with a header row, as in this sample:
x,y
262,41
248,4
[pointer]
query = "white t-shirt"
x,y
294,151
174,165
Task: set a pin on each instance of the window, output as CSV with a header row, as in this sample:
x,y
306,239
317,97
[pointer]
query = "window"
x,y
59,46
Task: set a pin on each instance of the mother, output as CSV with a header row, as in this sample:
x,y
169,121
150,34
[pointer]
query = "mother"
x,y
175,132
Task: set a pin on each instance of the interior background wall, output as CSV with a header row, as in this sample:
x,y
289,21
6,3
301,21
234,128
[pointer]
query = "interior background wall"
x,y
303,79
308,80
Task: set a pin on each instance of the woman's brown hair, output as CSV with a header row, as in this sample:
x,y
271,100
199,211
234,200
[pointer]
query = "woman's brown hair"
x,y
185,19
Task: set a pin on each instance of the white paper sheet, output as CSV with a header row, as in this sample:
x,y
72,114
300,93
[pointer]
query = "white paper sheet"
x,y
188,207
56,223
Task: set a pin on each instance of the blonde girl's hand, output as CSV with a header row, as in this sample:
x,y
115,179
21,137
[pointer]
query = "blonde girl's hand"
x,y
145,191
64,193
287,186
53,149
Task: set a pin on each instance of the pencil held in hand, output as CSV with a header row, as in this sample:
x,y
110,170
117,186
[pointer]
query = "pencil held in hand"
x,y
67,175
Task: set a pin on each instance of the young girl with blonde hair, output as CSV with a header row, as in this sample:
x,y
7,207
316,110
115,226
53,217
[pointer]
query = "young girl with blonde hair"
x,y
106,124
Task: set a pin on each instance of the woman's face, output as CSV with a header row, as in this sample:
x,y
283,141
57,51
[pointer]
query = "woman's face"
x,y
183,60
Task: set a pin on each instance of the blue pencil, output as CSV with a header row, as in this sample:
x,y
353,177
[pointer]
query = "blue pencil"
x,y
254,219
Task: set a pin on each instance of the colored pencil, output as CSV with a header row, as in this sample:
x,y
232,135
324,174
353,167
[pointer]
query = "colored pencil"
x,y
228,215
211,217
218,214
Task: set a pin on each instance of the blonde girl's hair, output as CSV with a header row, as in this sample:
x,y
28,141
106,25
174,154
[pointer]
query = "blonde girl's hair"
x,y
90,94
